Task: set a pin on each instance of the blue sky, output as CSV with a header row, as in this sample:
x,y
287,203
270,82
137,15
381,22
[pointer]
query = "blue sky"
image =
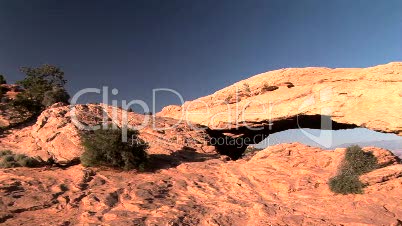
x,y
194,47
338,138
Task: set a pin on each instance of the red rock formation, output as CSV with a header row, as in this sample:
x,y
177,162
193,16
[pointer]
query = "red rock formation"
x,y
363,97
56,136
282,185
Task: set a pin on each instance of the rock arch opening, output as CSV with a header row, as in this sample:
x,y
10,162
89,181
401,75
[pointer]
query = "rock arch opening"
x,y
337,139
233,142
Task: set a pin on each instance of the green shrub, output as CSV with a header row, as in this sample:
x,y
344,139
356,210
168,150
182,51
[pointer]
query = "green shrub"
x,y
42,87
358,161
268,88
28,162
228,99
5,152
355,163
105,147
9,160
19,157
246,88
63,187
3,90
7,164
346,184
289,84
2,80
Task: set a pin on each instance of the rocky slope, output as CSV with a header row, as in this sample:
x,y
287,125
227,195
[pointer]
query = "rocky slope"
x,y
56,136
281,185
362,97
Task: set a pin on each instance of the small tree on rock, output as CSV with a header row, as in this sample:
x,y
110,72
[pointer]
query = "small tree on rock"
x,y
43,86
2,80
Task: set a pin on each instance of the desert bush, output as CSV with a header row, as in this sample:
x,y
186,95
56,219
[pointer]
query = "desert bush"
x,y
105,147
29,162
228,98
346,184
9,160
289,84
246,88
2,80
63,187
5,152
355,163
266,87
358,161
55,95
3,90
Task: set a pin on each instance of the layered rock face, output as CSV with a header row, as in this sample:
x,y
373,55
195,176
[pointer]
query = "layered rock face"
x,y
360,97
57,133
281,185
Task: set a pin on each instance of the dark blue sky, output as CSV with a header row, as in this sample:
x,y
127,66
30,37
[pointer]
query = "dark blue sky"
x,y
195,47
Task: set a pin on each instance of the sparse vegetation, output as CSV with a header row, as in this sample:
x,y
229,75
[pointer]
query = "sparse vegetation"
x,y
2,91
63,187
267,88
43,86
9,160
355,163
346,184
105,147
228,99
2,80
246,88
289,84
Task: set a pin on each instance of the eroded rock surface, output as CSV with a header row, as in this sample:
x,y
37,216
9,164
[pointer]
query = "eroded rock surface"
x,y
362,97
281,185
56,136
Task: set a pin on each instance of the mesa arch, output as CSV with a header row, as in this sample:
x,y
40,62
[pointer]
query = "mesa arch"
x,y
239,138
350,97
